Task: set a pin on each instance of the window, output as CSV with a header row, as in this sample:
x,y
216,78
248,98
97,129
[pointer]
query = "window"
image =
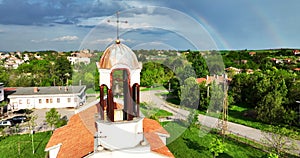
x,y
20,101
69,100
28,101
58,100
75,100
40,101
51,100
47,101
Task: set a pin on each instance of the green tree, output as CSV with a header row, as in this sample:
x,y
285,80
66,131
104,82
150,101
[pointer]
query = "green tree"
x,y
216,96
272,155
154,74
189,93
63,69
174,86
204,98
61,122
216,147
96,80
270,107
31,121
52,117
198,63
2,105
183,73
4,75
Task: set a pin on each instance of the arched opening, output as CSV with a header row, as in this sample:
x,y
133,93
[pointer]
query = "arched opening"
x,y
136,99
103,103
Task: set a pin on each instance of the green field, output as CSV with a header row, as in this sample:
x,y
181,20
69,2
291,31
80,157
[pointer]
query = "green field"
x,y
21,146
194,143
149,111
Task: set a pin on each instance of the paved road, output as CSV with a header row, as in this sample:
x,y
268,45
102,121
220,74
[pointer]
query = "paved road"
x,y
150,97
41,115
241,130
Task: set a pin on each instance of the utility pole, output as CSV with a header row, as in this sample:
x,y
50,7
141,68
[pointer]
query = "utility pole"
x,y
223,123
32,131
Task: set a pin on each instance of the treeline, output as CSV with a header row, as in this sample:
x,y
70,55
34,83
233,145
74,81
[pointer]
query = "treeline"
x,y
270,92
261,59
52,69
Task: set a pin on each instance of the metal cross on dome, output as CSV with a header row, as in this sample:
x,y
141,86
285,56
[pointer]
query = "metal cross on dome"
x,y
118,21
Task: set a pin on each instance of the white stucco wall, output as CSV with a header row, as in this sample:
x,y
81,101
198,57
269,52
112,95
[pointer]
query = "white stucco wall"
x,y
45,101
130,132
137,152
53,151
135,77
105,77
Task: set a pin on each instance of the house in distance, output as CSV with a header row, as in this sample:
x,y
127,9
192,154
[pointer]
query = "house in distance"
x,y
47,97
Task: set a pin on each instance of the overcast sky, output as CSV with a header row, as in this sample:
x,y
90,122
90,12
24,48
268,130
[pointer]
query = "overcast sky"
x,y
66,25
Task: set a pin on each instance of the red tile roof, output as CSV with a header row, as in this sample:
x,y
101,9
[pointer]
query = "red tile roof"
x,y
10,89
296,69
252,53
157,145
200,80
151,128
77,137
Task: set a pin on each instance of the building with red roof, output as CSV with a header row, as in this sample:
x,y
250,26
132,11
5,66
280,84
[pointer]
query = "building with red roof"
x,y
112,126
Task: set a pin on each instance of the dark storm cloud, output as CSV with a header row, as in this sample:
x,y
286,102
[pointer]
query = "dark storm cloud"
x,y
29,12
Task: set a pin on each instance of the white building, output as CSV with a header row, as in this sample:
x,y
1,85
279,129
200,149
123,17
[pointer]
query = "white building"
x,y
47,97
75,60
80,57
1,91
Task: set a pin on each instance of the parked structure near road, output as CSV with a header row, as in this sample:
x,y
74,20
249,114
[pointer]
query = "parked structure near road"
x,y
5,123
47,97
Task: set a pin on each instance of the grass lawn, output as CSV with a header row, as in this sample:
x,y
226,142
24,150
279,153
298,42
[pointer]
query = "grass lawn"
x,y
20,145
153,111
194,143
91,91
236,114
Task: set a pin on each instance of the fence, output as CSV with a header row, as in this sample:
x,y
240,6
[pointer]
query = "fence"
x,y
258,144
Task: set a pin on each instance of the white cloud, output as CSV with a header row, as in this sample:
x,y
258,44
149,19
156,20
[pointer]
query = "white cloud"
x,y
39,41
90,22
58,39
109,40
65,38
102,41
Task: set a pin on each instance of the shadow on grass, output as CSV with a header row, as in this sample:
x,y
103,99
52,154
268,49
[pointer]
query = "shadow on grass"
x,y
48,135
173,100
224,155
240,115
194,145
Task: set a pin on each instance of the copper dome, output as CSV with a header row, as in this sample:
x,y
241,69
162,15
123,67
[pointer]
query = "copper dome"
x,y
118,54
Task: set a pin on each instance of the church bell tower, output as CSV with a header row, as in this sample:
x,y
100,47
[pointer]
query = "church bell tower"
x,y
119,117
